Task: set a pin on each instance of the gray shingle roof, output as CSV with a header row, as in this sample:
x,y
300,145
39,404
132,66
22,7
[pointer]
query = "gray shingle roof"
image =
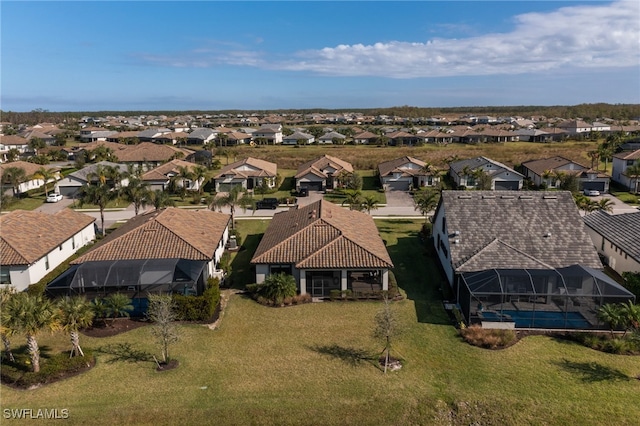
x,y
515,230
623,230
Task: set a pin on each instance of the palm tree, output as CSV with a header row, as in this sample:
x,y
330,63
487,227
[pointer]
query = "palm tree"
x,y
117,305
99,195
161,199
15,176
594,155
12,155
605,204
353,199
30,315
75,313
186,175
7,330
199,174
426,201
630,316
46,175
276,287
138,193
369,203
611,314
233,199
633,172
36,143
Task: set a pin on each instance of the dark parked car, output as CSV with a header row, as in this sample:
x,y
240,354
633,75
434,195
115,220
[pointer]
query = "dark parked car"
x,y
267,203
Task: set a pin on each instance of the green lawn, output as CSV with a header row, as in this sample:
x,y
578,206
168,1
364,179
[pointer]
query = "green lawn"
x,y
313,364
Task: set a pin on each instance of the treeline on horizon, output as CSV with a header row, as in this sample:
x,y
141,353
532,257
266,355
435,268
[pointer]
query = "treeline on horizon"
x,y
587,112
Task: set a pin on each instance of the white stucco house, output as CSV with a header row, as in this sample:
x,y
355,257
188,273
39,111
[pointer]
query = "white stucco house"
x,y
617,239
621,162
34,243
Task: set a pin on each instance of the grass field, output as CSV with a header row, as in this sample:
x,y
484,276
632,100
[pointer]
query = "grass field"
x,y
314,364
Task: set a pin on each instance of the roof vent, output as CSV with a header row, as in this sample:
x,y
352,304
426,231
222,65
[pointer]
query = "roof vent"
x,y
549,197
488,197
547,235
507,197
526,197
456,241
464,197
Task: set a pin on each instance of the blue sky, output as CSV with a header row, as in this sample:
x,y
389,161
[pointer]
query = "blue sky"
x,y
204,55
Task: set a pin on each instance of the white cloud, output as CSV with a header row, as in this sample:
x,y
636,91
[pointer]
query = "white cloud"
x,y
577,36
582,36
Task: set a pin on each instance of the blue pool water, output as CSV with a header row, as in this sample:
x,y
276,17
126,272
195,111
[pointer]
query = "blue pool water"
x,y
540,319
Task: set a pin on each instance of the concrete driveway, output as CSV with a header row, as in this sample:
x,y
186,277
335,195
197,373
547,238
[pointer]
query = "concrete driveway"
x,y
399,199
619,207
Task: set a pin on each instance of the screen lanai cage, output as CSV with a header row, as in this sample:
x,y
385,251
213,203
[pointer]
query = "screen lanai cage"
x,y
135,278
567,298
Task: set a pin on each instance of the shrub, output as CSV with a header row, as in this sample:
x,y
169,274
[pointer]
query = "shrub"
x,y
53,368
198,308
487,338
335,294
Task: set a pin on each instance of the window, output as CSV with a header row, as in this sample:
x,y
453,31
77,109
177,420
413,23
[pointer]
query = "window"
x,y
46,262
5,276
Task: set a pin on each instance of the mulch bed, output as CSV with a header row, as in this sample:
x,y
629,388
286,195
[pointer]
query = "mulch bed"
x,y
164,366
113,328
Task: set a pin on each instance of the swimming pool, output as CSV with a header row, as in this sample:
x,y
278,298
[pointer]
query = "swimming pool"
x,y
539,319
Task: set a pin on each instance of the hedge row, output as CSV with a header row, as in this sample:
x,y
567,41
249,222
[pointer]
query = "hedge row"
x,y
198,308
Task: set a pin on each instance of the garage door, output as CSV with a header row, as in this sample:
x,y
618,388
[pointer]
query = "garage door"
x,y
398,185
598,186
312,186
502,185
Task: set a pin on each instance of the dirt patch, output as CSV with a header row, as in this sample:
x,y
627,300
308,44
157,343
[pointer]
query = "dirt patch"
x,y
112,328
165,366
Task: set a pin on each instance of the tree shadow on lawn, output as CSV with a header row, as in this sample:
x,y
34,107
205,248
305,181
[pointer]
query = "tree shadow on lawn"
x,y
124,352
349,355
592,372
419,276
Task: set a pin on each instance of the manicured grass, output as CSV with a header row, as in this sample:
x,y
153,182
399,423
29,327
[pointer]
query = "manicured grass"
x,y
314,364
27,203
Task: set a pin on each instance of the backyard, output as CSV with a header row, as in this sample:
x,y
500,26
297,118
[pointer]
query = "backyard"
x,y
316,364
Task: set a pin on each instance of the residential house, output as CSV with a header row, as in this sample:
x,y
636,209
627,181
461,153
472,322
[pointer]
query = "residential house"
x,y
147,155
365,138
298,138
331,138
172,138
321,173
164,251
148,135
237,138
71,184
94,134
9,142
268,134
575,126
32,180
201,136
248,173
325,247
406,173
466,173
161,177
521,259
617,239
621,162
547,172
32,244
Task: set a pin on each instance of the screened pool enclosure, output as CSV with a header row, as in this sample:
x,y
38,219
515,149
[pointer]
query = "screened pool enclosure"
x,y
538,298
135,278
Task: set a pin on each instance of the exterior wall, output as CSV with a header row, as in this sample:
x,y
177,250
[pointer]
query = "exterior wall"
x,y
506,177
441,244
217,255
231,181
22,276
614,257
617,174
261,273
310,178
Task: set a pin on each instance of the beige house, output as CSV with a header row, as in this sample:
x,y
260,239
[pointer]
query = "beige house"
x,y
249,173
320,174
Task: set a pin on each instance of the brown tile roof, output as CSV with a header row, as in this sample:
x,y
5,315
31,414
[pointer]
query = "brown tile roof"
x,y
633,155
29,168
28,235
13,140
263,168
388,167
171,167
316,166
323,235
552,163
165,234
148,151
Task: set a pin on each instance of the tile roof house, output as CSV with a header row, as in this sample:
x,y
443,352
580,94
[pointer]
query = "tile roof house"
x,y
30,171
148,155
325,247
332,137
617,239
169,250
269,134
70,185
406,173
298,138
320,174
8,142
366,138
32,243
502,177
524,253
545,171
621,162
248,173
160,177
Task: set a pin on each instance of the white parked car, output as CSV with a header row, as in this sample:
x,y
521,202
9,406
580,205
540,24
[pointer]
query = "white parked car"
x,y
54,197
591,192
